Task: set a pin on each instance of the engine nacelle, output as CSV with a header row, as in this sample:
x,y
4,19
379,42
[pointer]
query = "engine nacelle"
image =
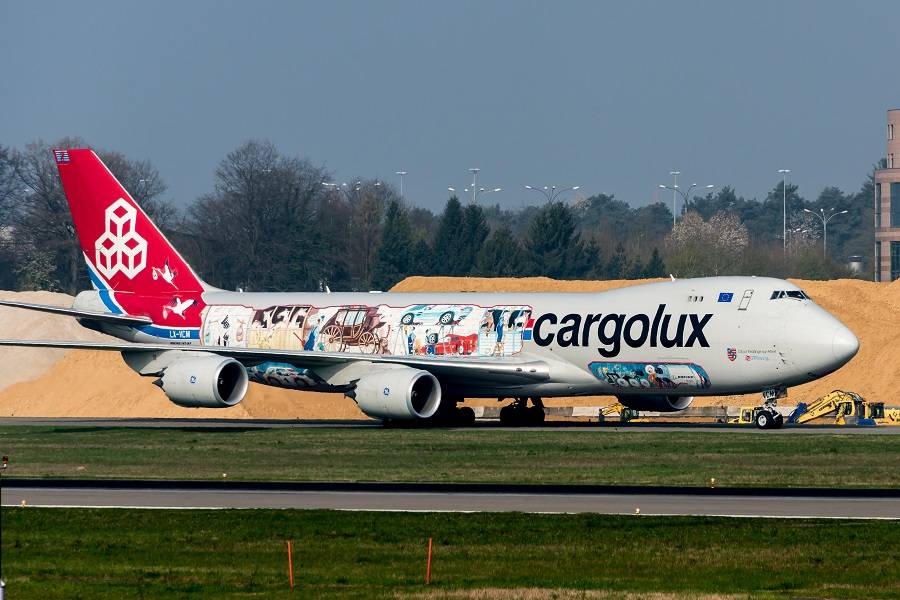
x,y
657,402
204,382
400,393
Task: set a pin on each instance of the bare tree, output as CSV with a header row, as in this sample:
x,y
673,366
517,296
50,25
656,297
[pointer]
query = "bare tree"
x,y
701,248
43,231
261,228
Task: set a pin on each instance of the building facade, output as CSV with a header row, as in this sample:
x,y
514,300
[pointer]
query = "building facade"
x,y
887,206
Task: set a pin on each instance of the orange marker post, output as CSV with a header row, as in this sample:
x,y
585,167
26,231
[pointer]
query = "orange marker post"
x,y
290,565
428,565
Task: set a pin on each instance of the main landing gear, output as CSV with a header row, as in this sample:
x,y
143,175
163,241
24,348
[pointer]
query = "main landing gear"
x,y
519,414
767,416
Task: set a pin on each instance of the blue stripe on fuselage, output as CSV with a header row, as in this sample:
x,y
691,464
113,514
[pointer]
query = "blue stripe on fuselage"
x,y
168,333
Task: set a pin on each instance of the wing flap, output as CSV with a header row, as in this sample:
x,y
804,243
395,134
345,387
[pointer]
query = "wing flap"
x,y
494,369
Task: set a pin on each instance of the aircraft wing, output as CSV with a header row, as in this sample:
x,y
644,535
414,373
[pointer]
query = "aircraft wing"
x,y
495,369
81,314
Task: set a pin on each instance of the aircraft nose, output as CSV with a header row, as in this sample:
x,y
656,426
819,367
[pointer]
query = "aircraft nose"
x,y
844,344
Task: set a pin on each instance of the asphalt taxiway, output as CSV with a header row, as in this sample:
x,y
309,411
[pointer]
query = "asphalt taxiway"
x,y
479,425
802,503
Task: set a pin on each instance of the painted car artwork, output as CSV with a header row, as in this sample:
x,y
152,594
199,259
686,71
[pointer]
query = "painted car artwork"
x,y
283,375
660,376
437,329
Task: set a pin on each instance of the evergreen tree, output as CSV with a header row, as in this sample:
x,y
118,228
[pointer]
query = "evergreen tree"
x,y
553,247
500,256
447,240
655,266
395,252
422,259
474,232
617,268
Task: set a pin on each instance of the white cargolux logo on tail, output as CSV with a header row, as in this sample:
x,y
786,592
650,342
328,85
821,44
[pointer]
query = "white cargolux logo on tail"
x,y
120,249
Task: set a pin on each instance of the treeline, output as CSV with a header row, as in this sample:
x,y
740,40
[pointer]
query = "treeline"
x,y
278,223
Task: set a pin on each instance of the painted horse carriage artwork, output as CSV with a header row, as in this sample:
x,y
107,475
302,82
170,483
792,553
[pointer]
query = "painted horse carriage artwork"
x,y
354,327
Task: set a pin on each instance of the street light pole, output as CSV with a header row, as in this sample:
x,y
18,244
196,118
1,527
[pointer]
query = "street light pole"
x,y
474,172
822,217
685,196
784,173
674,174
479,191
401,174
552,193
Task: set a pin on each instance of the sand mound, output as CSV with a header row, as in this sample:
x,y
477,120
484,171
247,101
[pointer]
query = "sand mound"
x,y
22,364
58,383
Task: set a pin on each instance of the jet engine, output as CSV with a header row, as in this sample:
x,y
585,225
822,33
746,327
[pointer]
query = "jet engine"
x,y
657,402
204,382
400,393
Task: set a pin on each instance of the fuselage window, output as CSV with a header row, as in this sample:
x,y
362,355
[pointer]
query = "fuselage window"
x,y
796,295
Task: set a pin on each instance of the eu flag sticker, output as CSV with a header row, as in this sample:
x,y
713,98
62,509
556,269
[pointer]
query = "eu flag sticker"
x,y
725,296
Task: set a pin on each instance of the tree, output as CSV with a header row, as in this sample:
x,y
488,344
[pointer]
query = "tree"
x,y
699,248
655,267
270,224
474,232
617,268
42,223
553,247
395,252
500,256
448,239
367,205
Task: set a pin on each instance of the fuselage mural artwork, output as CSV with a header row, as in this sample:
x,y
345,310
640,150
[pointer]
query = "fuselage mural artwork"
x,y
435,329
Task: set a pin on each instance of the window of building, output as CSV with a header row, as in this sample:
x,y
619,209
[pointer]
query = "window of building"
x,y
890,131
877,261
895,260
895,204
877,205
890,161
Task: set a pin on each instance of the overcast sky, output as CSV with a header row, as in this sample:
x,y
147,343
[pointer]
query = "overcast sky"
x,y
611,96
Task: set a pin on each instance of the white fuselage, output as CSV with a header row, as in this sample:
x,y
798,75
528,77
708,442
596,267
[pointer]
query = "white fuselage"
x,y
695,337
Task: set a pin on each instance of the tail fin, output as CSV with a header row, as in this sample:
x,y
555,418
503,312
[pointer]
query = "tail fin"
x,y
131,264
124,250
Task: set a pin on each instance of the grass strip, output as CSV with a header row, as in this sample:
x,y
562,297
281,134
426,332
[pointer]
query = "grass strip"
x,y
71,553
472,456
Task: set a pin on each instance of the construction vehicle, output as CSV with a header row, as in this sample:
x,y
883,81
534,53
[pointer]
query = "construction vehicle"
x,y
847,408
763,417
625,414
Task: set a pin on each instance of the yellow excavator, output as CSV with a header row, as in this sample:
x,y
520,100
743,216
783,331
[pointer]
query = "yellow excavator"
x,y
847,408
625,414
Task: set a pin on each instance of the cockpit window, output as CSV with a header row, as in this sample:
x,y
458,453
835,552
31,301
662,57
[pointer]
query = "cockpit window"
x,y
795,294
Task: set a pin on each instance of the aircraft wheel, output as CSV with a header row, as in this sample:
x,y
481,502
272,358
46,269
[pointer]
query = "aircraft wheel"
x,y
764,419
535,415
778,421
508,416
466,416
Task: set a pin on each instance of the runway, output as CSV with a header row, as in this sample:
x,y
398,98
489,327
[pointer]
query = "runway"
x,y
805,503
480,425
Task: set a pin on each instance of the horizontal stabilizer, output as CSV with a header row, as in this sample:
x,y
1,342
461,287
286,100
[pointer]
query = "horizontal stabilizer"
x,y
87,315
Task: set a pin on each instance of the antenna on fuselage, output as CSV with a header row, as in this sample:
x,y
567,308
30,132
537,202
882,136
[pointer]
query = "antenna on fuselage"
x,y
672,276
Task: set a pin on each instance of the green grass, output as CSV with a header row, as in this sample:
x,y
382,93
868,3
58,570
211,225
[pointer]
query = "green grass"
x,y
75,553
479,455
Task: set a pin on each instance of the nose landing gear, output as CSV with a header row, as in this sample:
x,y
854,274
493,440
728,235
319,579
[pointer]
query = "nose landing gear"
x,y
519,414
767,415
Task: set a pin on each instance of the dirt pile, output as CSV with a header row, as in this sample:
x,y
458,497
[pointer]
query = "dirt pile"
x,y
98,384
